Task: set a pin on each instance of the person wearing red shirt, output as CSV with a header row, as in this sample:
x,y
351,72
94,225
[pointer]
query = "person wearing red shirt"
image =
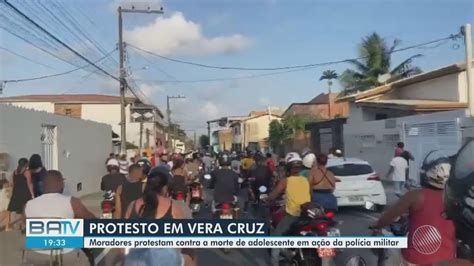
x,y
270,163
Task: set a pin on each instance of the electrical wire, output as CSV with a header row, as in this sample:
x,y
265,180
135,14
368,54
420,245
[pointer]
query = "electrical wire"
x,y
57,74
25,58
450,37
57,39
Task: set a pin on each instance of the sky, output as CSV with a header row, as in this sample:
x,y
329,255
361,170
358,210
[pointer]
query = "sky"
x,y
246,33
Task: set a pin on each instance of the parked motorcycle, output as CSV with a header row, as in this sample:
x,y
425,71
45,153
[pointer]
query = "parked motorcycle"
x,y
314,221
108,205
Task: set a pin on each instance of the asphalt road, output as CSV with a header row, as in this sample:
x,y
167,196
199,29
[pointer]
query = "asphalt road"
x,y
353,222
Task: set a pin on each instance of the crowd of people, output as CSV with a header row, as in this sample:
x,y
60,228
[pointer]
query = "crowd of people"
x,y
145,188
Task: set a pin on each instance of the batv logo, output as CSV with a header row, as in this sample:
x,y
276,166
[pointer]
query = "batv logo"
x,y
54,227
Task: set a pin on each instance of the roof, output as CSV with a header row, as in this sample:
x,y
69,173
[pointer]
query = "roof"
x,y
260,115
322,98
444,71
69,98
256,113
74,98
414,105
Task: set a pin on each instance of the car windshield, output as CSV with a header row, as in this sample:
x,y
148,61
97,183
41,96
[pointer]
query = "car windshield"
x,y
351,169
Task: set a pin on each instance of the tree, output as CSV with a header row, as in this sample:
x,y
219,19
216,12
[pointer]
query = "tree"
x,y
376,61
204,141
294,123
329,75
278,134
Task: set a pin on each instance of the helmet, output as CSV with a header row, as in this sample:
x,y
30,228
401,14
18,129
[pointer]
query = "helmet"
x,y
308,160
259,156
459,195
338,153
305,152
113,162
145,164
292,160
224,159
435,170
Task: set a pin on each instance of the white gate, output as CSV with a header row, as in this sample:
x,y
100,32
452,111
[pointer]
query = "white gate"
x,y
48,146
421,138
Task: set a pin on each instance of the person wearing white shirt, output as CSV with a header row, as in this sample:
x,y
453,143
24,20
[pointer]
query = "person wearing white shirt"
x,y
399,171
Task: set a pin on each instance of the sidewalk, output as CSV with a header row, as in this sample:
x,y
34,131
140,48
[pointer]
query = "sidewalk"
x,y
12,243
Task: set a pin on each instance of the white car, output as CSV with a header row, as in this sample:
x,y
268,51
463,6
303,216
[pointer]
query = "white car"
x,y
359,183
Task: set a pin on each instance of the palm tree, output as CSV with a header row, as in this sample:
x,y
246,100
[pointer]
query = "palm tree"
x,y
329,75
374,64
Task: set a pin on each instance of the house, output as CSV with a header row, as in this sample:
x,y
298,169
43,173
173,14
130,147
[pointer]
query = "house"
x,y
75,147
321,107
254,130
426,111
102,109
442,89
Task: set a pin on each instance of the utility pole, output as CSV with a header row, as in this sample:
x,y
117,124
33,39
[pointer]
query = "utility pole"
x,y
209,134
141,137
122,73
168,113
466,31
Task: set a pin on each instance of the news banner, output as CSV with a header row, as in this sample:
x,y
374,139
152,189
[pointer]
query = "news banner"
x,y
78,233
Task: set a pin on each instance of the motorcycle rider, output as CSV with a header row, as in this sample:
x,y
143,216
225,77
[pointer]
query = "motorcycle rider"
x,y
459,203
297,190
112,180
308,162
207,161
262,174
425,215
323,183
235,163
225,182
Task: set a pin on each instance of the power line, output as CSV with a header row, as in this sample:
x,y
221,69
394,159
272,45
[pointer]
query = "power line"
x,y
58,40
24,57
450,37
57,74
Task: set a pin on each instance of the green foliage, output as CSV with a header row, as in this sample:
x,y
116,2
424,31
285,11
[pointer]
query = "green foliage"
x,y
375,60
329,75
281,131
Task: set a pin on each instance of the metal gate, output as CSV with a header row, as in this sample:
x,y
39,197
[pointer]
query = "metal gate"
x,y
421,138
48,146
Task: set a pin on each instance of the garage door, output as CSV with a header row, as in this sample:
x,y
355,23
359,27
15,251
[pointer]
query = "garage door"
x,y
421,138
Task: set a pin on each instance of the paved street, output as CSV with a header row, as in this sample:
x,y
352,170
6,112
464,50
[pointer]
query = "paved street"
x,y
354,222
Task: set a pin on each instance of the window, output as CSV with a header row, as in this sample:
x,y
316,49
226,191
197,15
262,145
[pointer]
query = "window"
x,y
367,141
350,169
381,116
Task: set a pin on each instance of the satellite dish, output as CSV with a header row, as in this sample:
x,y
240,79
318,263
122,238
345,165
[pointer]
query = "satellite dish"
x,y
383,78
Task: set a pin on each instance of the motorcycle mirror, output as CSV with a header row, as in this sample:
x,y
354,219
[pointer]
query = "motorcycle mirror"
x,y
262,189
355,261
369,206
207,176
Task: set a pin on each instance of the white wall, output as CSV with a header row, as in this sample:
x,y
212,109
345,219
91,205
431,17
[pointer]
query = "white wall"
x,y
110,114
40,106
444,88
87,143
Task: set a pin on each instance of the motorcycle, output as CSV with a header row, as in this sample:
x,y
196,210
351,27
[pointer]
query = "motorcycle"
x,y
399,227
260,210
196,196
179,196
314,221
108,205
226,211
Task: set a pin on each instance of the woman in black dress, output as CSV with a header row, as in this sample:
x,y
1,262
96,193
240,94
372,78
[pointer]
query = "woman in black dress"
x,y
38,172
22,190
